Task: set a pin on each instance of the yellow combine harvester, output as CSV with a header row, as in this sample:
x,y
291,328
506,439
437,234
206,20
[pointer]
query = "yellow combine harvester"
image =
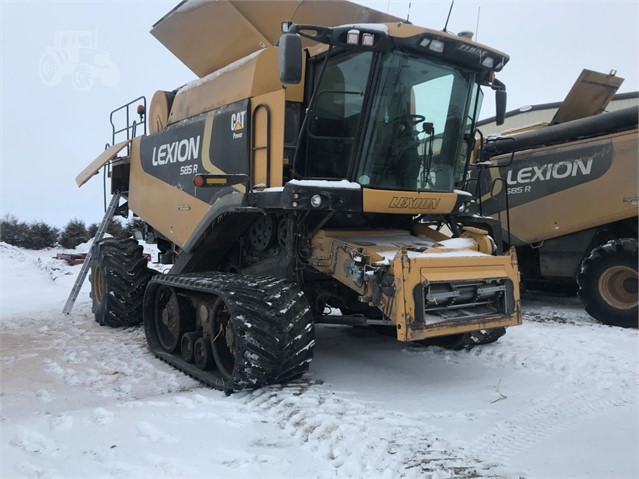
x,y
571,190
335,184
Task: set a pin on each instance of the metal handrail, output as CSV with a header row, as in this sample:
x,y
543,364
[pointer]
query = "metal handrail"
x,y
266,147
131,127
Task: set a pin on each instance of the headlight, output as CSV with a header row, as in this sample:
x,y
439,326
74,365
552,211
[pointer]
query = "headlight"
x,y
316,201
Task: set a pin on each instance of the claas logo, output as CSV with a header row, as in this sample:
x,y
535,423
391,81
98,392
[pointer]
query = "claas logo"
x,y
237,121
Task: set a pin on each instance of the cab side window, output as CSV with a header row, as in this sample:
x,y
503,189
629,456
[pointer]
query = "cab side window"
x,y
334,121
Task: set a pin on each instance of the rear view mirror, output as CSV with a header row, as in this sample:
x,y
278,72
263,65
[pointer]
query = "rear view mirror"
x,y
290,58
500,106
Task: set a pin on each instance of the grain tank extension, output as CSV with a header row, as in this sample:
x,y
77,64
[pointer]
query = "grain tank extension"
x,y
335,185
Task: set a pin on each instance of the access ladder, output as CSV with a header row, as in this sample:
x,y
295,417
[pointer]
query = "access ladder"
x,y
77,286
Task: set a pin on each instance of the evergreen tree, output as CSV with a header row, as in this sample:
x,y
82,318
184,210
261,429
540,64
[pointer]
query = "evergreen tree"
x,y
14,232
42,235
74,233
136,224
116,229
92,229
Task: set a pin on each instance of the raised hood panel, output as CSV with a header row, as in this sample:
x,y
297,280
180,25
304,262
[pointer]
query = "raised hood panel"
x,y
207,35
589,96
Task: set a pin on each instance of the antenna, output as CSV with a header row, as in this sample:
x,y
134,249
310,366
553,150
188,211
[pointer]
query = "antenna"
x,y
477,26
388,7
450,10
408,15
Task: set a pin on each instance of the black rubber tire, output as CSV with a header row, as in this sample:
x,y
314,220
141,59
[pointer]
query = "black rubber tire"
x,y
608,283
119,276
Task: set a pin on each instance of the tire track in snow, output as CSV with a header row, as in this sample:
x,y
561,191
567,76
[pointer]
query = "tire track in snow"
x,y
554,355
602,380
356,438
515,435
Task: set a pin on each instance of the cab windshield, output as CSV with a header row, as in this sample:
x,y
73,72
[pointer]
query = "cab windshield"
x,y
414,138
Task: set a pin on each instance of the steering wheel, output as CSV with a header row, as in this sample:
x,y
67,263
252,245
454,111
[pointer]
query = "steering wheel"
x,y
412,120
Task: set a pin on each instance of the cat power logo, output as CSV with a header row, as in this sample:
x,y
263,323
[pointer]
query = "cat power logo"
x,y
237,124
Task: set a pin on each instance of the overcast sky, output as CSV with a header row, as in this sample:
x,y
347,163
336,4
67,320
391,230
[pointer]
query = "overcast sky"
x,y
50,132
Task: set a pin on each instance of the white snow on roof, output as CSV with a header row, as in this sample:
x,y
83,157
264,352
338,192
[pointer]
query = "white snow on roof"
x,y
190,5
371,27
464,253
327,184
457,243
450,248
228,68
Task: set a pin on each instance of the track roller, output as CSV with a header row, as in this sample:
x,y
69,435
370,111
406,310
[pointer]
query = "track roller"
x,y
203,354
187,345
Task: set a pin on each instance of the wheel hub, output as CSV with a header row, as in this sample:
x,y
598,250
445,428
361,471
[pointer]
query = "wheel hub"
x,y
98,284
618,287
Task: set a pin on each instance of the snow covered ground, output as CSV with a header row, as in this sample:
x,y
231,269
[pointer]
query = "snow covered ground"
x,y
555,397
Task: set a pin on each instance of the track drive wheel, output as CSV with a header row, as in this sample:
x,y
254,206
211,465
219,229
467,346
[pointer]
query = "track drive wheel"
x,y
119,276
608,283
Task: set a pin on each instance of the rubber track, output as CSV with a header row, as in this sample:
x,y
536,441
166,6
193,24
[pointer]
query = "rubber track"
x,y
273,321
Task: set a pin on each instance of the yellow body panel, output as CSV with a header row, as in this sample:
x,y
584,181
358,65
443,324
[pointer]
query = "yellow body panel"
x,y
583,206
419,270
207,36
149,198
414,261
250,77
94,167
590,95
